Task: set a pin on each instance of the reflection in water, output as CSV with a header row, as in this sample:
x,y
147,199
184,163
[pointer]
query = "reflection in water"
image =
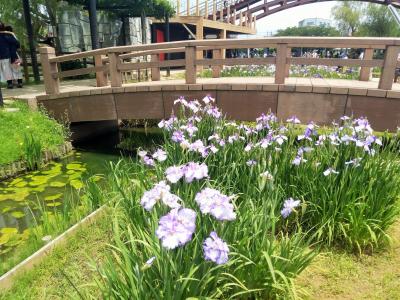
x,y
23,198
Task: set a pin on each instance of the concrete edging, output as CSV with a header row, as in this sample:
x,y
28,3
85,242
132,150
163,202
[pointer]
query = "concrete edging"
x,y
7,279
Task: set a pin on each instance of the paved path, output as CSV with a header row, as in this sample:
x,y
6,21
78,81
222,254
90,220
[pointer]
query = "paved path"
x,y
31,91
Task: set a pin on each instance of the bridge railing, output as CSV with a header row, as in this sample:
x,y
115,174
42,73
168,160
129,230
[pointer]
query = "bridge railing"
x,y
114,61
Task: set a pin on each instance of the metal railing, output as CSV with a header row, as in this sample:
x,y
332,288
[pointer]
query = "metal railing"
x,y
110,63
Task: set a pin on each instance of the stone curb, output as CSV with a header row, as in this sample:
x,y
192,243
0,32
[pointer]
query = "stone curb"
x,y
18,167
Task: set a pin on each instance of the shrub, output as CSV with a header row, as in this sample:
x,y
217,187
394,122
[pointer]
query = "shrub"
x,y
229,210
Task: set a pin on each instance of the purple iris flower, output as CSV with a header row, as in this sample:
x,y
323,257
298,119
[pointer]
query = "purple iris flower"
x,y
216,204
215,249
289,206
176,228
293,120
177,136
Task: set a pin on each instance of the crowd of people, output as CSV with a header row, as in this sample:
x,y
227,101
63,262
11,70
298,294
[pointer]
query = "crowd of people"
x,y
10,61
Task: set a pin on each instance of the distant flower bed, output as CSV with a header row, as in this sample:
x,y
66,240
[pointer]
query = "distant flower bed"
x,y
226,210
295,71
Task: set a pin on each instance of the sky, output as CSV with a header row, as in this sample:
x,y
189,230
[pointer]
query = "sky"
x,y
292,16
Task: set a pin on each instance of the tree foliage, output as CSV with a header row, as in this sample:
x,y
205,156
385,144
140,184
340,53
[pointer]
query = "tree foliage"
x,y
309,31
11,13
355,19
132,8
348,17
379,21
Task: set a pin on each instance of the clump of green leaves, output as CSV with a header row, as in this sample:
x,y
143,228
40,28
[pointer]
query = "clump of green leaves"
x,y
33,152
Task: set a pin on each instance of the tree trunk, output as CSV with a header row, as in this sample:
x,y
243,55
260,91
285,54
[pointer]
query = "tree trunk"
x,y
144,36
25,63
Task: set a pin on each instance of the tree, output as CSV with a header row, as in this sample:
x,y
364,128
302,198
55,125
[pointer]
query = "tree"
x,y
378,21
348,17
309,31
132,8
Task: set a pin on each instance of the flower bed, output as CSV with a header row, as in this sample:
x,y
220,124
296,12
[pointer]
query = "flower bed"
x,y
295,71
227,210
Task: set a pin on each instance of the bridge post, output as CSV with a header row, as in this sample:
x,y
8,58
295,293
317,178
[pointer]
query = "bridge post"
x,y
389,67
115,73
155,71
287,66
216,70
280,63
190,66
199,36
214,10
51,84
101,77
365,72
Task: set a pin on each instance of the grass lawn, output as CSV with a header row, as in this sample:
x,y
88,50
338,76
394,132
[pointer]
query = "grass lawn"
x,y
335,275
14,125
74,259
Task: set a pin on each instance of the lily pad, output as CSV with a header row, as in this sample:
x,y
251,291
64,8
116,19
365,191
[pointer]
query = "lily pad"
x,y
21,184
53,197
4,239
20,195
53,204
6,209
15,181
77,184
74,176
17,214
39,189
57,184
5,197
39,180
74,166
9,230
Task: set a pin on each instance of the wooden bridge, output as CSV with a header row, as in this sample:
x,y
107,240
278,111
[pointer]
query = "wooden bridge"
x,y
241,98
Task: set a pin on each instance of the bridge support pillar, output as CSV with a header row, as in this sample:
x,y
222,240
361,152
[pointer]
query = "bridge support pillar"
x,y
365,72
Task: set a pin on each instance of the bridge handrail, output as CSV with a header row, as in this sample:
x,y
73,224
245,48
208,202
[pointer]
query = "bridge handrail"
x,y
112,60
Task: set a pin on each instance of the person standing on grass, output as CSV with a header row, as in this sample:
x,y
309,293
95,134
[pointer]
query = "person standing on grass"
x,y
15,59
7,41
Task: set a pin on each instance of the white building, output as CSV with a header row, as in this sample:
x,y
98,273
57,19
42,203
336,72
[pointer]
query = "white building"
x,y
315,22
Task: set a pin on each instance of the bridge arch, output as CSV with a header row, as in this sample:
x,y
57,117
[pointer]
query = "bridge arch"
x,y
264,8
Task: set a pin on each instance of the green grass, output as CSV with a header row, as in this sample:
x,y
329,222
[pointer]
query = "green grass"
x,y
73,259
333,274
338,275
15,125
